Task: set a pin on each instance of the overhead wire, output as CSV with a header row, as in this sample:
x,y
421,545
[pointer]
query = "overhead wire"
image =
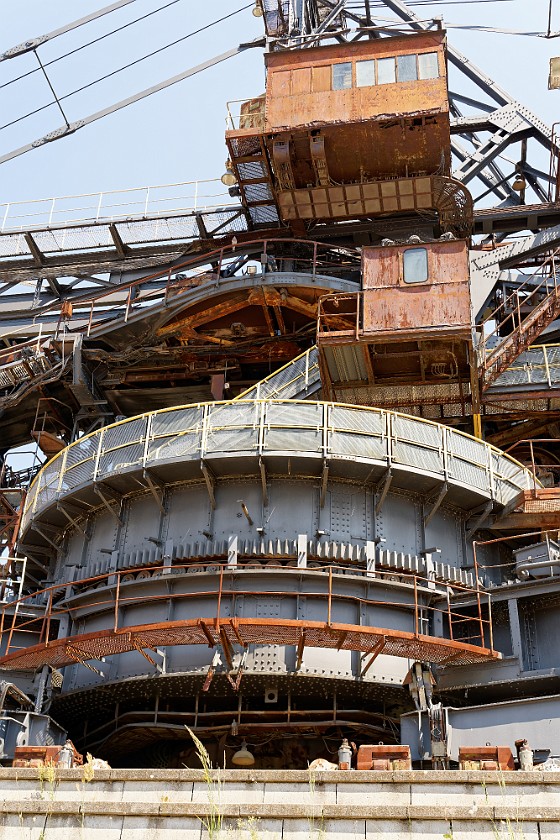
x,y
124,67
32,43
90,43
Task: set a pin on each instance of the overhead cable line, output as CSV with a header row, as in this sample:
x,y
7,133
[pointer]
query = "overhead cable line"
x,y
33,43
90,43
124,103
60,99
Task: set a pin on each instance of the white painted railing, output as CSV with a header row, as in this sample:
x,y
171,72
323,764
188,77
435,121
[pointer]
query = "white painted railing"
x,y
136,202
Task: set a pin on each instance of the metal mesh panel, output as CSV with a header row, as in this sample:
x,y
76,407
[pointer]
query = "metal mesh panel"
x,y
342,443
293,440
468,473
80,474
124,433
417,431
245,146
251,169
232,414
73,239
257,192
294,415
170,422
13,245
117,459
416,456
289,382
82,450
178,227
368,422
232,440
264,215
48,484
230,222
467,448
175,447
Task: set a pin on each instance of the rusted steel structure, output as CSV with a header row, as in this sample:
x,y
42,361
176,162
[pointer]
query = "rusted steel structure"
x,y
297,555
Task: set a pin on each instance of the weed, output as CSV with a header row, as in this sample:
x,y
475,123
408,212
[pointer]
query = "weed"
x,y
214,822
47,775
88,771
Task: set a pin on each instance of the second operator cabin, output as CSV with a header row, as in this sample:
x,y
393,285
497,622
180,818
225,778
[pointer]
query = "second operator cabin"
x,y
354,129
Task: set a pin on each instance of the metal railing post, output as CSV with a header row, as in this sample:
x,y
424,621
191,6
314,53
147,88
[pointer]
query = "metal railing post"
x,y
329,614
5,216
415,606
117,596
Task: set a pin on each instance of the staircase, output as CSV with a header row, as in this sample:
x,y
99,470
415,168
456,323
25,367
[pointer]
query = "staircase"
x,y
525,330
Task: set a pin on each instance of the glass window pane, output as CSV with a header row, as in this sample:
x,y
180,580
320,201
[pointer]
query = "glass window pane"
x,y
415,262
386,71
342,76
428,66
407,68
365,73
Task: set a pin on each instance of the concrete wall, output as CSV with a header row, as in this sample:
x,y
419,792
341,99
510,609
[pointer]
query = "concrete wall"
x,y
279,805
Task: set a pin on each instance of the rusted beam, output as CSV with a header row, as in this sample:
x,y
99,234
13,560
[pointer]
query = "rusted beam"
x,y
375,651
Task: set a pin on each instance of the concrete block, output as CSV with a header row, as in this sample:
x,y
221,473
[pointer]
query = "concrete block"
x,y
319,829
66,791
13,791
86,827
263,829
494,830
21,827
161,828
372,794
517,795
549,831
252,793
316,793
406,829
159,792
436,795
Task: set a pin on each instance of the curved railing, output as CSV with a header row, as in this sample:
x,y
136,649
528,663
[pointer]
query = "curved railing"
x,y
468,639
320,430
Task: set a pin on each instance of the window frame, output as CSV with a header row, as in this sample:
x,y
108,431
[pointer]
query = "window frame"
x,y
417,249
349,64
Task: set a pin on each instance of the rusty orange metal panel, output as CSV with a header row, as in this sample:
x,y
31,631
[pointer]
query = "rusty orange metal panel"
x,y
293,101
392,306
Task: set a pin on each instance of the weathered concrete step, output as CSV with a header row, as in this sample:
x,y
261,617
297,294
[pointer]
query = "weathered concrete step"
x,y
278,805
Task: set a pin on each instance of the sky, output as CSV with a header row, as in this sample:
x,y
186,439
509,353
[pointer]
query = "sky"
x,y
177,135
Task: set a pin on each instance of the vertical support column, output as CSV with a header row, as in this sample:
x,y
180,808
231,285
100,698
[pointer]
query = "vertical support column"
x,y
475,394
515,631
370,558
302,551
233,542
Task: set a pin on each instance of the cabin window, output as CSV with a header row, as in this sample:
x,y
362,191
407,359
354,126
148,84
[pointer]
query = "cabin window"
x,y
406,67
428,66
415,265
342,76
386,71
365,73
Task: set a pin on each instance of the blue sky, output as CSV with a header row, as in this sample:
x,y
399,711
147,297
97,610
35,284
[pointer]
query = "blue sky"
x,y
177,135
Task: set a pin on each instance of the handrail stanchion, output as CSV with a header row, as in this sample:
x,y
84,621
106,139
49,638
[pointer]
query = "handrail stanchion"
x,y
480,622
329,613
48,623
219,605
415,606
490,628
117,596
